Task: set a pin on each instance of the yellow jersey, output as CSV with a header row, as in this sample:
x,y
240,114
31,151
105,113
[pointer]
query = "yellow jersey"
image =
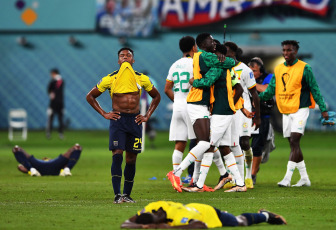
x,y
124,80
179,214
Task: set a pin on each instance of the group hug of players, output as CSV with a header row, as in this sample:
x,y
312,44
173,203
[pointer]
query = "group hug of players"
x,y
213,98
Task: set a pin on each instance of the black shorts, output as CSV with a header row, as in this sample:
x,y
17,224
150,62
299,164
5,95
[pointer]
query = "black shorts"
x,y
52,167
259,140
125,134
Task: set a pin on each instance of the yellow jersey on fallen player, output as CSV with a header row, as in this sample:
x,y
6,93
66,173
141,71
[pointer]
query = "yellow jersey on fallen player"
x,y
179,214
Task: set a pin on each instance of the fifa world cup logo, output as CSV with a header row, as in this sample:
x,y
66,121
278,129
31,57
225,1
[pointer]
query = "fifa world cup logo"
x,y
285,78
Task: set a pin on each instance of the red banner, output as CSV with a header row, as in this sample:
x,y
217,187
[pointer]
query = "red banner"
x,y
183,13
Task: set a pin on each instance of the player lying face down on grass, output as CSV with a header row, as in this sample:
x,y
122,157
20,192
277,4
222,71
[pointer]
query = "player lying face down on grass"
x,y
124,86
47,167
168,214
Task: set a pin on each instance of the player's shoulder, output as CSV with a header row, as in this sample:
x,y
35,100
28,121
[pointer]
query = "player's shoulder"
x,y
138,73
113,73
182,63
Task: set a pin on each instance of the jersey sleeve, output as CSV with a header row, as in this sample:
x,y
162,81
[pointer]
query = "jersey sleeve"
x,y
209,78
249,77
146,83
104,84
170,75
211,60
314,88
270,90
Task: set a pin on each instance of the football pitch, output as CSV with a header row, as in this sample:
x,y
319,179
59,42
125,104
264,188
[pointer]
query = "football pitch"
x,y
85,200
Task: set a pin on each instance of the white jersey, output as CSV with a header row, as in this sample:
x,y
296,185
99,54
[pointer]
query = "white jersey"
x,y
247,81
180,73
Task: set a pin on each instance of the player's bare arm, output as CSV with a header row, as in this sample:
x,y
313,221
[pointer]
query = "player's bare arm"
x,y
169,90
255,97
238,92
154,93
91,98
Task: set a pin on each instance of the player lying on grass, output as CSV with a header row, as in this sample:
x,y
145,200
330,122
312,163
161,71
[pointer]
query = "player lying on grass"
x,y
53,167
168,214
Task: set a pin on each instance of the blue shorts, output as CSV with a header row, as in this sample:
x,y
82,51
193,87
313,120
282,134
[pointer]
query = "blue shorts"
x,y
52,167
125,134
227,219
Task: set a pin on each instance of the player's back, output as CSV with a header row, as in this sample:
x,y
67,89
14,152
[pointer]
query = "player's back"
x,y
180,73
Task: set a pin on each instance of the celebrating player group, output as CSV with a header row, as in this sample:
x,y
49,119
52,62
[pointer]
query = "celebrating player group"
x,y
222,102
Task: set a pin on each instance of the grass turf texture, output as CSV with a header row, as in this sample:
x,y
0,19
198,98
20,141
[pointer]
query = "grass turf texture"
x,y
85,200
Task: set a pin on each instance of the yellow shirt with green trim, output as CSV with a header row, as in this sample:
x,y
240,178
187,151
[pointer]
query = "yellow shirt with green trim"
x,y
124,80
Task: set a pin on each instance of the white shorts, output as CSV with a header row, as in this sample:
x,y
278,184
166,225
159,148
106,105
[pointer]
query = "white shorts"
x,y
295,122
220,126
197,112
180,127
245,126
235,130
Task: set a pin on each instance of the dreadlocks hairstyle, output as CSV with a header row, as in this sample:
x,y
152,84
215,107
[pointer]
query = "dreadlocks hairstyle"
x,y
291,42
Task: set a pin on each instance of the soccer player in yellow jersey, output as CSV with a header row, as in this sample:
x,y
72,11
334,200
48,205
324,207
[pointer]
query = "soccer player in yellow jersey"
x,y
168,214
124,86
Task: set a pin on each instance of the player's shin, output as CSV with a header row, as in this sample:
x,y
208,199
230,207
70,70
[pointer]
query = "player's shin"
x,y
205,166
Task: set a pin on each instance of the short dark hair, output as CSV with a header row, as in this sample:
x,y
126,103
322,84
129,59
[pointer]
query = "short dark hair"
x,y
126,48
233,46
54,70
291,42
221,48
186,43
201,38
144,218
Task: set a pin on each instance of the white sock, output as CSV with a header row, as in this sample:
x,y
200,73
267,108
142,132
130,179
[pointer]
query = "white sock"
x,y
232,167
217,159
239,156
301,166
248,163
177,158
205,166
290,169
195,153
197,168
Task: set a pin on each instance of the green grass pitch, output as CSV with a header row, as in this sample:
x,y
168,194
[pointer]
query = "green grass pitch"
x,y
85,200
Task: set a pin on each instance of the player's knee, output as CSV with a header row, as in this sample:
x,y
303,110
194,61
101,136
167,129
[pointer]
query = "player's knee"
x,y
204,145
244,143
242,221
131,158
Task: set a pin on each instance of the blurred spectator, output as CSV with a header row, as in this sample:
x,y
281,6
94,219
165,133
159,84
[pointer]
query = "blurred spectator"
x,y
56,105
126,18
263,138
